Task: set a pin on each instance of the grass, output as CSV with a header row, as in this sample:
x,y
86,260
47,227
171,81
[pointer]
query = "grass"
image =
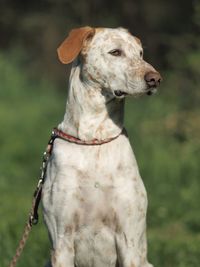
x,y
166,144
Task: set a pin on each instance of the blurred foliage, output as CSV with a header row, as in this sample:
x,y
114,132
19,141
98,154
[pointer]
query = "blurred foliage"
x,y
38,27
164,129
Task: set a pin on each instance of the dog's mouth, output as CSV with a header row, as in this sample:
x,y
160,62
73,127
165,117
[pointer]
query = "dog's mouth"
x,y
151,91
120,94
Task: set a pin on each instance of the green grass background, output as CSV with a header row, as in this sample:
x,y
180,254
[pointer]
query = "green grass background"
x,y
165,137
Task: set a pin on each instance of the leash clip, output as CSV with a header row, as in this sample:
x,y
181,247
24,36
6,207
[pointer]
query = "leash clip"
x,y
33,219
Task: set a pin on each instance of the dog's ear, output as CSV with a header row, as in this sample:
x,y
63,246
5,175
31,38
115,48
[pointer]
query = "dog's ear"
x,y
72,45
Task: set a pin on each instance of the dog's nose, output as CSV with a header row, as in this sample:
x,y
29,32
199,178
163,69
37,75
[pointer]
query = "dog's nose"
x,y
153,79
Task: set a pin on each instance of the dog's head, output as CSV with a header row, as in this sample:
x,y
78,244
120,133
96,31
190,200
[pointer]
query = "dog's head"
x,y
111,58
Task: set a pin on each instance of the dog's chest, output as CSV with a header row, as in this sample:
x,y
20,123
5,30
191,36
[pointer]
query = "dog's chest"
x,y
93,186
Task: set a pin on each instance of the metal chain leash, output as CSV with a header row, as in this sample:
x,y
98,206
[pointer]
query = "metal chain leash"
x,y
33,215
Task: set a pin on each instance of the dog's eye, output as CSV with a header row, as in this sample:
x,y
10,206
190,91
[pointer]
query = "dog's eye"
x,y
116,52
141,53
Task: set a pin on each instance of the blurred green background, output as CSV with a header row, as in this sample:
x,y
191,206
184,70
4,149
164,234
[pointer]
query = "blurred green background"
x,y
164,129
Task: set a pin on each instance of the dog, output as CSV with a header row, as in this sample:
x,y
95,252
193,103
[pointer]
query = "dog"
x,y
94,200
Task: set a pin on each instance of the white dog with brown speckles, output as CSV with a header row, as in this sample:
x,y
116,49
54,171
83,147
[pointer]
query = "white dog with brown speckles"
x,y
94,200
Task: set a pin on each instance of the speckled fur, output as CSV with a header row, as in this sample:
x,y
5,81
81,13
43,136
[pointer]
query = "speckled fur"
x,y
94,200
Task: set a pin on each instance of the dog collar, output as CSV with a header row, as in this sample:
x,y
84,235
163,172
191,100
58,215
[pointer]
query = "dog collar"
x,y
56,133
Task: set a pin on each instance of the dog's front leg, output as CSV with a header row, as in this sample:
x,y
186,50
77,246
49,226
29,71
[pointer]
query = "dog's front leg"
x,y
63,254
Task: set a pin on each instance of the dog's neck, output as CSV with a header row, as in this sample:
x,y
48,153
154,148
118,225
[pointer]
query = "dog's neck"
x,y
90,113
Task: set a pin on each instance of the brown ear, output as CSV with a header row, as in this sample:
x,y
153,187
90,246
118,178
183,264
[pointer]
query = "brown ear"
x,y
72,45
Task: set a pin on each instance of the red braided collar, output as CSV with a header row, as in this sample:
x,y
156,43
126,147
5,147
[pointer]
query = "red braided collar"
x,y
59,134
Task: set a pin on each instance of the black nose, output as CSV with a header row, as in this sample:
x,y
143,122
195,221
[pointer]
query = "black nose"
x,y
153,79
